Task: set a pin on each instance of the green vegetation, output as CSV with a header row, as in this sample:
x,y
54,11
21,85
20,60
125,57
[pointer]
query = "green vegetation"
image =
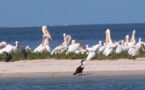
x,y
46,55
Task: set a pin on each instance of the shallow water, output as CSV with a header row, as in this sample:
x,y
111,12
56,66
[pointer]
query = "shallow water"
x,y
74,83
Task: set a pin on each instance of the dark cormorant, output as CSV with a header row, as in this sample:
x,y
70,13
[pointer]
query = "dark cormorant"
x,y
8,57
24,53
80,68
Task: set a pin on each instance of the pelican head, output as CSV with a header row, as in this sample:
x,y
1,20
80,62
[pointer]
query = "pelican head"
x,y
127,39
3,44
100,42
64,34
46,32
139,39
16,42
133,31
68,38
73,41
133,36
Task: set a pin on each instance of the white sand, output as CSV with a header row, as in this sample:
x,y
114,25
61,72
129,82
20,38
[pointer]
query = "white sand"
x,y
68,66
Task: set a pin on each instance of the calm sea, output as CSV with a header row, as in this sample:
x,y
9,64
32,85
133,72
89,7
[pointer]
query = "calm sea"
x,y
85,34
74,83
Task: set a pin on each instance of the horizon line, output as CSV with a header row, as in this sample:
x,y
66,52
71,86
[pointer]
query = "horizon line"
x,y
67,25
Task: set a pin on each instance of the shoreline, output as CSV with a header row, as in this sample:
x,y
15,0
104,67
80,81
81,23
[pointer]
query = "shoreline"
x,y
70,74
65,68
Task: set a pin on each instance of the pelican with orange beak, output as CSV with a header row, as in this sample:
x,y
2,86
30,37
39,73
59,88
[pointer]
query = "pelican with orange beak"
x,y
44,46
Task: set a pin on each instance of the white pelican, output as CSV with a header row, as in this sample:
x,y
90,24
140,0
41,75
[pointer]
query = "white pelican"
x,y
94,47
139,43
102,48
97,46
134,52
3,44
44,46
125,46
11,49
110,45
81,50
118,48
74,46
108,50
91,55
64,46
28,49
90,49
132,40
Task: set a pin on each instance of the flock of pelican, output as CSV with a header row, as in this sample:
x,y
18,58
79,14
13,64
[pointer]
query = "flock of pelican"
x,y
132,47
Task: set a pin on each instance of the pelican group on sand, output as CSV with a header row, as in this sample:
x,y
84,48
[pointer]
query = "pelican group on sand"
x,y
132,47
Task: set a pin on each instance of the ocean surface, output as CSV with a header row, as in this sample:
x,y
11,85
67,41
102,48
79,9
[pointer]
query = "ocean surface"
x,y
85,34
75,83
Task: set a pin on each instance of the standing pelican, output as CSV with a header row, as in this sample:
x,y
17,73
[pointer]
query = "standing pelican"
x,y
110,45
44,46
64,46
132,40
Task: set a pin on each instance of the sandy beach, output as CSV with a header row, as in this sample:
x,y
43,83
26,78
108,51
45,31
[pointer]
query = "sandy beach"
x,y
52,67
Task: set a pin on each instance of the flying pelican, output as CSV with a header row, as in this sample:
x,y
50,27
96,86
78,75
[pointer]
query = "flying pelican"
x,y
64,46
44,46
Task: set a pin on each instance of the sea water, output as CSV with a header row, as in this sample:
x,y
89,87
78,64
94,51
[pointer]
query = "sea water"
x,y
74,83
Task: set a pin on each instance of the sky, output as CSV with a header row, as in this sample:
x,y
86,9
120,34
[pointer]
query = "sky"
x,y
70,12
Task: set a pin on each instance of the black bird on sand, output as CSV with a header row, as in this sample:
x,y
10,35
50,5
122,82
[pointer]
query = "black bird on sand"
x,y
8,57
79,69
24,53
